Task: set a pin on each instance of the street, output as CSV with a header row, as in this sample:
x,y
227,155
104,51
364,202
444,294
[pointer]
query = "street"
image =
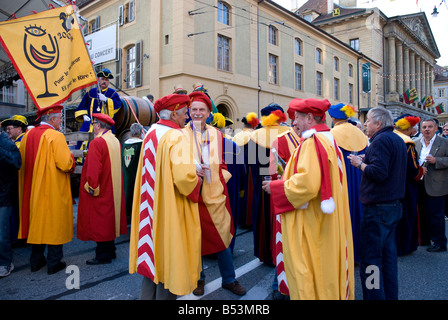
x,y
422,275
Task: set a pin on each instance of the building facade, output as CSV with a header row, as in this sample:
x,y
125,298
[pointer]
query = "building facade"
x,y
403,45
246,53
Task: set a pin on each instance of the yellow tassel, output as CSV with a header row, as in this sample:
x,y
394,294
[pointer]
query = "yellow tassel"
x,y
219,120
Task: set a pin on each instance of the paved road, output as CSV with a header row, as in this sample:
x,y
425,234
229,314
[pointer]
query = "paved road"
x,y
422,276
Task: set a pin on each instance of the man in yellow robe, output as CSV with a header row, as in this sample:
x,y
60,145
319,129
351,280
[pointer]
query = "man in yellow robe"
x,y
165,244
312,199
45,198
215,211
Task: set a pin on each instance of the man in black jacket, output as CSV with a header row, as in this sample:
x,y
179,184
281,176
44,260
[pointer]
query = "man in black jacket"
x,y
382,188
10,162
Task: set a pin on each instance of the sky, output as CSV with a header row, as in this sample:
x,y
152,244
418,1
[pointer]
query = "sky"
x,y
391,8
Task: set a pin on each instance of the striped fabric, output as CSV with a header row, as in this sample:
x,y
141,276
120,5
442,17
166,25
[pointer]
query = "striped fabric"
x,y
145,251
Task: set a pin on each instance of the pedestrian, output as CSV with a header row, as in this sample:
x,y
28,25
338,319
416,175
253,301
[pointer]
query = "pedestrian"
x,y
445,130
131,155
350,140
165,245
381,192
312,199
15,127
100,99
258,157
214,205
407,228
101,207
10,162
433,153
45,197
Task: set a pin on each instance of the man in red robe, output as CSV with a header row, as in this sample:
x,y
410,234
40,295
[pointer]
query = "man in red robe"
x,y
206,143
101,208
45,198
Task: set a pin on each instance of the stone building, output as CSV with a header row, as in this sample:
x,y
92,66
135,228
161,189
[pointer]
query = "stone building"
x,y
246,53
403,45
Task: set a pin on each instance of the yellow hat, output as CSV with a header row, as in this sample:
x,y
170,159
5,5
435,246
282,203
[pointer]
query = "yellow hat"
x,y
16,120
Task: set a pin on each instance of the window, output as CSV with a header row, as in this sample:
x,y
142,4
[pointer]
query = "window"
x,y
130,66
336,63
441,93
273,35
336,88
350,70
354,43
223,13
319,56
319,77
94,25
223,53
298,76
126,13
273,61
350,93
298,46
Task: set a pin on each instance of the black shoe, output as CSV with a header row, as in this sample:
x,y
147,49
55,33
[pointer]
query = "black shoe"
x,y
94,262
58,267
435,248
37,266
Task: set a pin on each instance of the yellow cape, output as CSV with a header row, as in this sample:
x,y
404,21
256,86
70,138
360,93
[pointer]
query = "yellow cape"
x,y
317,247
176,224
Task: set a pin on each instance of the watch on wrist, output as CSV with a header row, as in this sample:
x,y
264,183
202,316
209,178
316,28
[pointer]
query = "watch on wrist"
x,y
359,165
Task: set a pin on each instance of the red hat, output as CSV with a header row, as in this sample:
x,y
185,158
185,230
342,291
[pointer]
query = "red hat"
x,y
315,106
202,97
104,118
172,102
48,110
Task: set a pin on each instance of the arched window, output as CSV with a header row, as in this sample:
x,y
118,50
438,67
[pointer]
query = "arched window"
x,y
298,46
318,56
273,35
223,13
336,63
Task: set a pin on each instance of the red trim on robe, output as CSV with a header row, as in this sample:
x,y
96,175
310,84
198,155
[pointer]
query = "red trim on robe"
x,y
32,146
281,203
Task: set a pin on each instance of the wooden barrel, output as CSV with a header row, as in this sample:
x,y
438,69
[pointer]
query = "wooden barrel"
x,y
142,109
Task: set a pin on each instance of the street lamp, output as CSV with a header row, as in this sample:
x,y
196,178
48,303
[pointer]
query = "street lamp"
x,y
435,12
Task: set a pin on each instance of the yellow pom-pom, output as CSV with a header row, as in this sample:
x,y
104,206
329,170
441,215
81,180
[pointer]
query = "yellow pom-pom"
x,y
348,110
219,120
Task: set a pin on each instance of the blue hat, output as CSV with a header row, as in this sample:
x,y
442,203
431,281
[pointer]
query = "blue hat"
x,y
270,108
335,111
105,73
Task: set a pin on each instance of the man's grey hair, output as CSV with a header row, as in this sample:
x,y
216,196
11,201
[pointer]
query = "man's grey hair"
x,y
104,125
165,114
136,129
47,117
381,114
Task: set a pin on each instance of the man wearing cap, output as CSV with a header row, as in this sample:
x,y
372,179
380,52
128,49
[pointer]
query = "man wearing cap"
x,y
258,158
381,191
100,99
102,207
407,228
165,244
45,198
350,140
206,144
15,127
312,199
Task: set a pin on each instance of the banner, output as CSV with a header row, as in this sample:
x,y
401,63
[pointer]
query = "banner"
x,y
102,45
49,53
439,108
410,95
428,102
